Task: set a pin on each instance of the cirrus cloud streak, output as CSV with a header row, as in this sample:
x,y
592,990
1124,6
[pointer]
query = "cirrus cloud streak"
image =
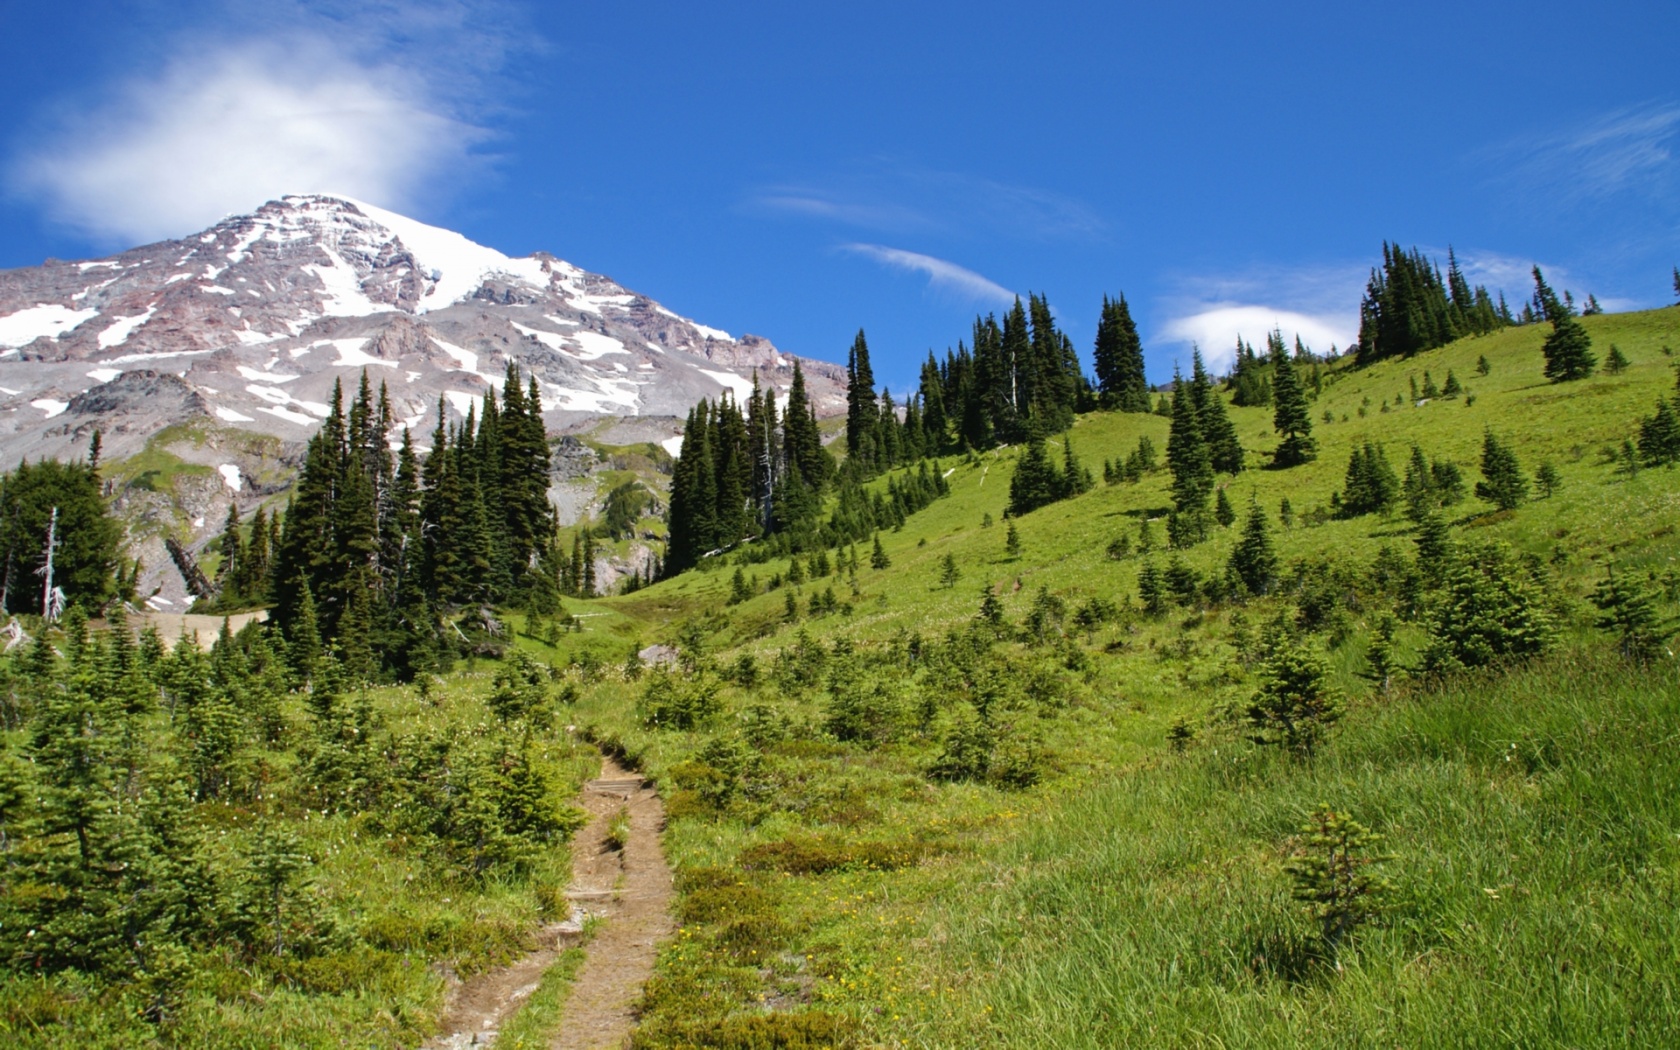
x,y
942,275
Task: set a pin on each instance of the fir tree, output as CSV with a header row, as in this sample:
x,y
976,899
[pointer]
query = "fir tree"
x,y
1222,511
1332,873
1630,611
1291,419
1295,706
1659,435
949,574
1568,349
1151,589
1615,362
878,556
862,411
1503,482
1191,465
1225,452
1254,561
1012,540
1482,366
1119,359
1547,480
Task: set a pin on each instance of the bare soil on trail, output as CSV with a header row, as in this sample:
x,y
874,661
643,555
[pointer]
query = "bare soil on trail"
x,y
628,891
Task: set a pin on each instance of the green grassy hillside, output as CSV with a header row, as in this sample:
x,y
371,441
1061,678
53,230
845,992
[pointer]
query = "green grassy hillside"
x,y
1100,888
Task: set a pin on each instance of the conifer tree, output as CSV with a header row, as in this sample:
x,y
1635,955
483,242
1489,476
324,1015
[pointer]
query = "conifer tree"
x,y
1012,540
1295,706
1222,511
1254,561
1615,362
878,555
1547,480
1036,482
1225,452
1191,465
1630,611
1291,419
862,411
1119,359
949,574
1503,482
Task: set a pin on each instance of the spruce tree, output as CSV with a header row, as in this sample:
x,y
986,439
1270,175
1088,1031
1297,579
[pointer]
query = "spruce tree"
x,y
1119,359
1012,540
878,556
1191,465
1222,511
1568,351
1630,611
1615,362
1225,452
862,412
1503,482
1295,705
1291,419
1254,561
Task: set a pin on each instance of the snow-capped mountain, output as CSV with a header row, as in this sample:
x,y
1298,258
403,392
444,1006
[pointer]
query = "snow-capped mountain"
x,y
250,322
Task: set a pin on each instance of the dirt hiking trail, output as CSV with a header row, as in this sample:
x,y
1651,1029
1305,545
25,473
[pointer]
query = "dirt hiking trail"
x,y
628,891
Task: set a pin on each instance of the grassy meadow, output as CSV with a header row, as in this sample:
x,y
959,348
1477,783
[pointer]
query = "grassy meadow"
x,y
899,823
1111,888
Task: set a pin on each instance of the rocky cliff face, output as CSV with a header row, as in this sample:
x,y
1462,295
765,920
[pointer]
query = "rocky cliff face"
x,y
261,314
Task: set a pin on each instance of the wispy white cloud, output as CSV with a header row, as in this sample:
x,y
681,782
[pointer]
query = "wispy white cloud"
x,y
378,101
942,275
1629,149
895,197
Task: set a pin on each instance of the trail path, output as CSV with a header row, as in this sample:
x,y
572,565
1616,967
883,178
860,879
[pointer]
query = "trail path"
x,y
629,890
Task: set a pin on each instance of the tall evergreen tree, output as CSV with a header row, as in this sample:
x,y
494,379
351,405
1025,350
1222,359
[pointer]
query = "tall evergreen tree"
x,y
862,411
1290,418
1254,561
1119,359
1568,349
1224,449
1192,468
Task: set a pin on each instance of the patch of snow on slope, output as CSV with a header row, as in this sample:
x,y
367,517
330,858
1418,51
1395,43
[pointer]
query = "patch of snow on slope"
x,y
276,396
593,344
128,358
461,265
351,355
613,396
468,361
104,375
230,416
292,417
49,406
230,476
741,385
560,320
263,377
343,296
673,445
250,338
119,331
44,319
552,340
461,401
85,267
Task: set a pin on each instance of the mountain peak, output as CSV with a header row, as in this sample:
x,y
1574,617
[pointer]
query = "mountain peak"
x,y
263,312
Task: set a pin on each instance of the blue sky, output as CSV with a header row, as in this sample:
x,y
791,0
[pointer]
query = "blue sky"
x,y
802,170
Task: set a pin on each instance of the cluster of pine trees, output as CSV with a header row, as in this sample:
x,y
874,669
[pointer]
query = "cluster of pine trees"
x,y
1020,372
1409,308
374,549
745,475
60,502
